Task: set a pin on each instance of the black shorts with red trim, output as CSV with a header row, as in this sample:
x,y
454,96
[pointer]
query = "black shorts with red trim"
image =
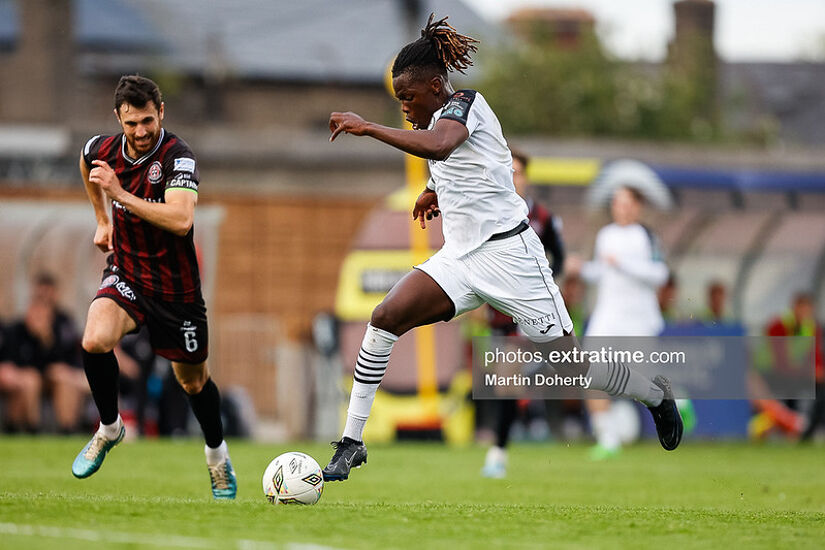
x,y
178,330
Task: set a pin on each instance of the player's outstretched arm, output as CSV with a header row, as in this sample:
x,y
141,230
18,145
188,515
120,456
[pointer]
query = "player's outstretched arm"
x,y
435,144
103,233
176,215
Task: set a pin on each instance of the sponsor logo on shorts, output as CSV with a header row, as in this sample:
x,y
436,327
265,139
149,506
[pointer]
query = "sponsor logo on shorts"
x,y
120,286
546,330
109,281
184,165
155,173
126,291
547,321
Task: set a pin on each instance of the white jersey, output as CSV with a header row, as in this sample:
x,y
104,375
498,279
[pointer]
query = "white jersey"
x,y
475,183
626,304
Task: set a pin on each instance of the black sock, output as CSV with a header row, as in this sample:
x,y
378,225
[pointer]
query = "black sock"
x,y
508,411
102,374
207,408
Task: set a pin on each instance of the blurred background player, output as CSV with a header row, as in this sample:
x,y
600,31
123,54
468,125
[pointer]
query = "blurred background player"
x,y
716,310
668,296
627,268
784,416
548,228
42,357
490,254
152,276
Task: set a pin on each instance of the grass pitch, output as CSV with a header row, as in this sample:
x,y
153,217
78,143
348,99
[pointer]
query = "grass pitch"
x,y
155,494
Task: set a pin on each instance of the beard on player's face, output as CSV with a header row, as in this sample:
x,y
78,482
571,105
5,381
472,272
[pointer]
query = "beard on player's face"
x,y
144,142
141,126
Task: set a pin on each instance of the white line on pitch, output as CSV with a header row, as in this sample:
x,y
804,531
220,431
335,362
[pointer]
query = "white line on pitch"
x,y
165,541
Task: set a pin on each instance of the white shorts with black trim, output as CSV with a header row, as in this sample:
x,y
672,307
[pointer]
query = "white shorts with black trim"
x,y
513,276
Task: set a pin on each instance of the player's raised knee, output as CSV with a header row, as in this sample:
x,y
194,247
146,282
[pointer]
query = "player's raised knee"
x,y
385,318
97,341
192,386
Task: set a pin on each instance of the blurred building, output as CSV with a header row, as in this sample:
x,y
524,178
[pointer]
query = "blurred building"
x,y
567,27
248,83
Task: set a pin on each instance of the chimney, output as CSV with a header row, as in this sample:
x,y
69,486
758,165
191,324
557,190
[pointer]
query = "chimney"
x,y
565,27
694,31
692,52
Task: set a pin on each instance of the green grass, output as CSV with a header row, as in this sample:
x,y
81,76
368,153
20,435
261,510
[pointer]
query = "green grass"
x,y
155,494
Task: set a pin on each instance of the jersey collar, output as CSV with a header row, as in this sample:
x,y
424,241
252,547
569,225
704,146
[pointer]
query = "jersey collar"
x,y
132,161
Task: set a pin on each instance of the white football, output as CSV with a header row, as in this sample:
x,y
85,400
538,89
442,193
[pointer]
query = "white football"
x,y
293,478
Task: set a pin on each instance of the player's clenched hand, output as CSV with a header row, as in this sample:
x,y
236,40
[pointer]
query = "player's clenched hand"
x,y
103,237
426,207
104,176
349,123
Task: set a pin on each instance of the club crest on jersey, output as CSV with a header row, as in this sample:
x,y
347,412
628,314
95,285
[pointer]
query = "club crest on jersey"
x,y
155,173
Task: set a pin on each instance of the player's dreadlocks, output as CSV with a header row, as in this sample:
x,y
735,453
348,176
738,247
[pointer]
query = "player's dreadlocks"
x,y
440,47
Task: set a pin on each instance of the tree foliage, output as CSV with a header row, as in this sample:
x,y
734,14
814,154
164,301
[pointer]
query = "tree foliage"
x,y
539,87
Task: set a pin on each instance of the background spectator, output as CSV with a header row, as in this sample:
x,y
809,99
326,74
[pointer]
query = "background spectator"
x,y
42,356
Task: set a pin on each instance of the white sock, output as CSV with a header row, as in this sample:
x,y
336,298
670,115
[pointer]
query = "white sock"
x,y
496,455
621,381
604,431
111,431
354,428
217,455
369,371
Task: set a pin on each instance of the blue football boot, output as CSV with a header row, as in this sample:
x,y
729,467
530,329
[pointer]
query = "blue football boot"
x,y
224,482
91,457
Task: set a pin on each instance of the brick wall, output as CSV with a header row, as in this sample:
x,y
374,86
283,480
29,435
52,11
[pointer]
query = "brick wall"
x,y
281,255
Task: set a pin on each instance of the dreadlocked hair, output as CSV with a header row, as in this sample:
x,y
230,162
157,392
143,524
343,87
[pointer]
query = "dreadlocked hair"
x,y
440,47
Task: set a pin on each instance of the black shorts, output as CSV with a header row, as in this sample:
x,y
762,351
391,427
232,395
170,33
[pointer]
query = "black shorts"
x,y
178,330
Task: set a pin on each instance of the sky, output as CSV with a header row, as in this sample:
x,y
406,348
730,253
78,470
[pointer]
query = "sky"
x,y
746,30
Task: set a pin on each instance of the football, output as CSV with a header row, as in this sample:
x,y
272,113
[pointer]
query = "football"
x,y
293,478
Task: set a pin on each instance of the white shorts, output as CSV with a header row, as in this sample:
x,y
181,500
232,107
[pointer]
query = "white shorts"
x,y
513,276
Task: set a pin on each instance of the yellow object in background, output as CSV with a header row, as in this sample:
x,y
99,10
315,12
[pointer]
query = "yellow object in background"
x,y
562,171
455,416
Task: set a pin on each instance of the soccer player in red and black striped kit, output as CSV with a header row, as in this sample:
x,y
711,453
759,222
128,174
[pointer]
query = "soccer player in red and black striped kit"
x,y
548,227
151,178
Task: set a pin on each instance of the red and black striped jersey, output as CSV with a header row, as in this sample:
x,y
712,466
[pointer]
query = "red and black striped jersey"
x,y
161,264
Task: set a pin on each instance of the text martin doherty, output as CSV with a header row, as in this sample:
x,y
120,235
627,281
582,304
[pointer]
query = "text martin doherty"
x,y
537,379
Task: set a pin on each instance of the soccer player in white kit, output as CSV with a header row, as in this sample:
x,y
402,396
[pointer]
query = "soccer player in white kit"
x,y
628,268
490,253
